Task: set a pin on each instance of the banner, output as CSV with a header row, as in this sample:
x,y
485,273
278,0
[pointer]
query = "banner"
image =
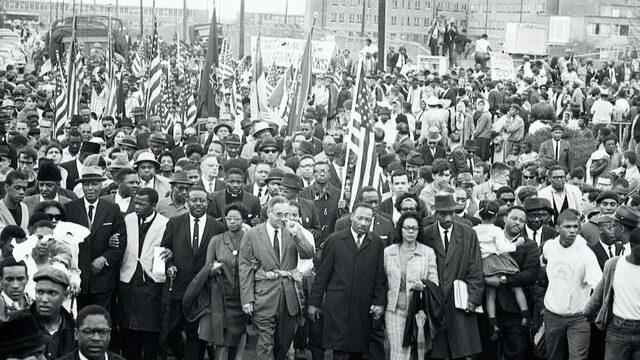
x,y
284,52
439,64
502,67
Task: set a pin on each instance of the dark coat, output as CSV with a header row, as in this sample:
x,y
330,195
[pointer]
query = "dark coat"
x,y
177,237
382,227
461,262
326,205
64,338
386,207
429,158
602,253
73,175
218,204
430,301
74,356
350,279
527,256
107,221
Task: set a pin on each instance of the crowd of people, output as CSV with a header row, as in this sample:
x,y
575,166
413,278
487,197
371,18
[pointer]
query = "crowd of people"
x,y
504,224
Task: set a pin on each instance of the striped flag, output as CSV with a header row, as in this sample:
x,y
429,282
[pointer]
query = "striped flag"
x,y
225,68
191,111
361,141
111,105
154,82
303,85
75,73
137,68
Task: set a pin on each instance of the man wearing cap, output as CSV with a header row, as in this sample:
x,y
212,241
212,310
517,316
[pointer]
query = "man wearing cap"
x,y
53,319
232,146
261,130
234,178
176,203
146,165
99,262
269,150
48,186
128,182
607,203
458,257
157,143
140,289
291,186
75,167
556,148
539,215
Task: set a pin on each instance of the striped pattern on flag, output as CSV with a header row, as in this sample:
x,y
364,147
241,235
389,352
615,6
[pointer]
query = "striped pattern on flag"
x,y
361,141
111,106
137,67
75,72
60,104
225,67
154,82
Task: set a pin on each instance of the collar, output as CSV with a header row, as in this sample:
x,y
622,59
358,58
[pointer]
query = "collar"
x,y
82,357
9,303
119,198
56,198
87,203
149,218
200,219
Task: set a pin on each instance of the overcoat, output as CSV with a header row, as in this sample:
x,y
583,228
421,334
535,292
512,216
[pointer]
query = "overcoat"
x,y
462,261
350,279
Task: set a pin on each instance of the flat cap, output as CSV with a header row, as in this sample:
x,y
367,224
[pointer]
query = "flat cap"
x,y
53,274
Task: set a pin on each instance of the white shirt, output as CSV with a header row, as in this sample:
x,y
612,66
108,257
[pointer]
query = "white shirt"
x,y
201,224
358,238
573,272
56,198
626,293
270,232
442,230
482,45
537,238
86,209
82,357
601,111
123,203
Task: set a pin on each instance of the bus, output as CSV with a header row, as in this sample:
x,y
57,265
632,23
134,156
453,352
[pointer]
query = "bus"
x,y
92,32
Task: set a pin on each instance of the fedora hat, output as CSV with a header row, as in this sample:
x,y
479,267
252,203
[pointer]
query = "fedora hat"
x,y
275,175
128,142
291,181
627,216
158,138
146,156
445,202
261,126
120,162
180,177
92,173
433,134
90,148
222,124
269,142
537,203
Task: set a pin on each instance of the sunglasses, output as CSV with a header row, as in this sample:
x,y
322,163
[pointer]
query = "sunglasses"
x,y
56,217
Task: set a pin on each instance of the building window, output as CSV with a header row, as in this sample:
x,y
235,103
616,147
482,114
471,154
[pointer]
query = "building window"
x,y
394,20
341,18
402,21
351,18
624,30
416,21
395,4
375,19
409,3
408,21
426,21
402,4
333,17
595,29
359,18
417,4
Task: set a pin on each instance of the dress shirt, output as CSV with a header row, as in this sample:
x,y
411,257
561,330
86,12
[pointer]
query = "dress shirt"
x,y
123,203
270,231
442,230
82,357
358,238
86,209
606,249
201,224
148,184
537,238
558,198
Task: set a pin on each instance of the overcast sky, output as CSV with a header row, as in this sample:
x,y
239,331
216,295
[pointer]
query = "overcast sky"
x,y
229,8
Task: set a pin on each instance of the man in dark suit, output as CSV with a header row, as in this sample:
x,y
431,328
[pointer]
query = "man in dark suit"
x,y
306,127
101,252
433,149
269,253
606,248
399,186
128,183
458,257
556,148
382,225
539,212
186,239
351,307
92,332
73,166
48,186
234,193
325,199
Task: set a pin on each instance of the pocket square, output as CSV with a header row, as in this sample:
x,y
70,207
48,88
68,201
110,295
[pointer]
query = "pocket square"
x,y
107,224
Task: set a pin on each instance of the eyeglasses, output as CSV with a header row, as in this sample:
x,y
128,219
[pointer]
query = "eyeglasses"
x,y
411,228
102,332
270,151
529,177
56,217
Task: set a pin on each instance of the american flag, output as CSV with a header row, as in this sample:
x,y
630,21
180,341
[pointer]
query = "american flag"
x,y
273,75
154,82
225,66
137,67
75,73
361,140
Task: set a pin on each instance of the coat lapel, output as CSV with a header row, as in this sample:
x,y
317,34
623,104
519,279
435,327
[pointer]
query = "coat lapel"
x,y
5,215
266,242
98,217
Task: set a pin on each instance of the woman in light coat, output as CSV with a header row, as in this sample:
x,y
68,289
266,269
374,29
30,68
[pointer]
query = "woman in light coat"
x,y
407,264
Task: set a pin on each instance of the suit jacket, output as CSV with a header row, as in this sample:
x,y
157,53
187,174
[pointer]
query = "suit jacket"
x,y
33,201
387,206
107,221
572,194
309,217
257,258
429,158
7,219
602,253
218,204
112,199
547,151
178,238
382,227
73,175
133,255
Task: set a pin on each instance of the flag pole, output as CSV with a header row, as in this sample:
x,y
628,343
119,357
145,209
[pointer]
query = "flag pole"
x,y
345,168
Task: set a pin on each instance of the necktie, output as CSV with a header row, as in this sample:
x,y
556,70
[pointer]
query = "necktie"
x,y
91,207
446,240
211,186
535,236
196,234
557,151
276,244
610,251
